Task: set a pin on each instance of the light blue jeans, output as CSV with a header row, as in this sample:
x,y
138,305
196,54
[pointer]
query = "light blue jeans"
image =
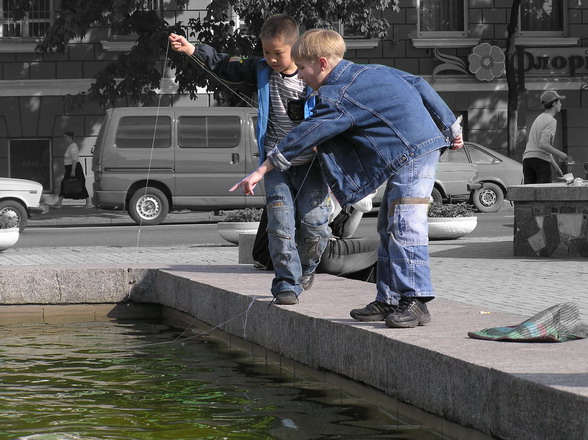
x,y
403,256
298,214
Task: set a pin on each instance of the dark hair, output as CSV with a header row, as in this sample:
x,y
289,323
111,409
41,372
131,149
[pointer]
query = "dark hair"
x,y
280,25
69,133
550,104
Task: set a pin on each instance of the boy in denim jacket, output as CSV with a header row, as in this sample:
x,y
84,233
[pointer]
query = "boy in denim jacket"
x,y
296,199
374,123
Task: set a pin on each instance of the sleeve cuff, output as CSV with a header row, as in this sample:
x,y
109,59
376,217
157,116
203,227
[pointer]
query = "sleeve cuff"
x,y
278,160
456,129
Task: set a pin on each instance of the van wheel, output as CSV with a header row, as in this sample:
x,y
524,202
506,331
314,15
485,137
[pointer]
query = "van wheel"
x,y
148,206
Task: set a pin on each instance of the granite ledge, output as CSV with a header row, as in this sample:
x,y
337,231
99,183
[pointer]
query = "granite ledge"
x,y
548,192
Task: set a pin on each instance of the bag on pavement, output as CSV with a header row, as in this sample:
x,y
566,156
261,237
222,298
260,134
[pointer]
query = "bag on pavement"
x,y
73,189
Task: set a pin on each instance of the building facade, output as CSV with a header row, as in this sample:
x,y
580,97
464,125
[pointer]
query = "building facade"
x,y
457,45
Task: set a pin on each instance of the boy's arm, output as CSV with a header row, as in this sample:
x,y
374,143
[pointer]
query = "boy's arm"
x,y
238,71
555,166
546,141
250,182
324,124
303,137
436,106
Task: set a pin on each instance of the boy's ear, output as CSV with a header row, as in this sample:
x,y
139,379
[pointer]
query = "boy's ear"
x,y
324,62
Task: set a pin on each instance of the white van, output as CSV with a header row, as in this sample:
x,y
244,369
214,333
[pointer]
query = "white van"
x,y
150,161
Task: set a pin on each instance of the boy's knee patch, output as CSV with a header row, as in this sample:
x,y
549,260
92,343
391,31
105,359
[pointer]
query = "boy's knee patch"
x,y
407,201
408,221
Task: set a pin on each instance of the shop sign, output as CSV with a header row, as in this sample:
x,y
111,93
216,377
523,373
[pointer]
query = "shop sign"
x,y
561,60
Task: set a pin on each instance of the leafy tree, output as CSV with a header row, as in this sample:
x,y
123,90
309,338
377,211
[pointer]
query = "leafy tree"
x,y
137,73
514,92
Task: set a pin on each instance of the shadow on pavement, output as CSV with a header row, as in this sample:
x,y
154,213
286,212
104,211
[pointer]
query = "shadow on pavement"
x,y
479,250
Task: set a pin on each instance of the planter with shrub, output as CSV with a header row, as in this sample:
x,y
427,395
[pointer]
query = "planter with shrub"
x,y
9,231
240,221
451,221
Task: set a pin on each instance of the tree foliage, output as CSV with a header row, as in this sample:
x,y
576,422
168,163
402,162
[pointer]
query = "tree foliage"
x,y
138,73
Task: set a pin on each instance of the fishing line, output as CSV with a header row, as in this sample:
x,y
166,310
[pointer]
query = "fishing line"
x,y
197,335
153,140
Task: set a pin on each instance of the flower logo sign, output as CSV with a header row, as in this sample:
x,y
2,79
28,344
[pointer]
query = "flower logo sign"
x,y
486,62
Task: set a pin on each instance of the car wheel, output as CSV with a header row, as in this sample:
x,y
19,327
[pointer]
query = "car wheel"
x,y
148,206
15,210
436,196
489,198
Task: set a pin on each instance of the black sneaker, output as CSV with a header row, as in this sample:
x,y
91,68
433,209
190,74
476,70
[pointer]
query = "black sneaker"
x,y
410,313
374,311
286,298
306,281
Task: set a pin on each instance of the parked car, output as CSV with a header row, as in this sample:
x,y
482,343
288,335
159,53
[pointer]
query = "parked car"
x,y
495,173
149,161
19,198
454,181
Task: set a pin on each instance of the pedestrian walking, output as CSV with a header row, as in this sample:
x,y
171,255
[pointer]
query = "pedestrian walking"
x,y
538,158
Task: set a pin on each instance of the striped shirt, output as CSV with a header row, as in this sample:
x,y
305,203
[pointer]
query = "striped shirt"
x,y
286,111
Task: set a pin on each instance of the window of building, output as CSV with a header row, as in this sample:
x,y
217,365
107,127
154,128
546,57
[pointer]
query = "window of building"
x,y
209,132
543,18
354,37
442,18
31,159
143,132
35,24
346,30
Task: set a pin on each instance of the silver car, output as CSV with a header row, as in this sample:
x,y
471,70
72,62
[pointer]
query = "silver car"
x,y
495,173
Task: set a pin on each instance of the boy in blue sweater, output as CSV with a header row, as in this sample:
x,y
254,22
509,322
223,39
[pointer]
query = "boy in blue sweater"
x,y
297,199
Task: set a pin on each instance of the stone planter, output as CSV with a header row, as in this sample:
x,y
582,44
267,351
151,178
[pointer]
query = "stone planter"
x,y
449,228
230,230
8,238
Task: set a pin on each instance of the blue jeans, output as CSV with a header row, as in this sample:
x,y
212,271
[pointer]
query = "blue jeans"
x,y
298,213
403,256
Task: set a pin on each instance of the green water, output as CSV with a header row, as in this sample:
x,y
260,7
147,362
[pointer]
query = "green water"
x,y
139,381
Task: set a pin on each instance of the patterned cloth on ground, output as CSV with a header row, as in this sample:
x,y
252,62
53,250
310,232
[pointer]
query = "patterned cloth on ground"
x,y
558,323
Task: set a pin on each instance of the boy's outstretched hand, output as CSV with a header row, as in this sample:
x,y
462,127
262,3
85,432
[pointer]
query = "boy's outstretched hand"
x,y
249,183
179,43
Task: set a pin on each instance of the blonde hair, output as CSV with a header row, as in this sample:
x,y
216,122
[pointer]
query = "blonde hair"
x,y
317,43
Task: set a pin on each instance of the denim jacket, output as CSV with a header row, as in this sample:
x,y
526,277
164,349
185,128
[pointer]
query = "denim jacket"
x,y
250,73
369,120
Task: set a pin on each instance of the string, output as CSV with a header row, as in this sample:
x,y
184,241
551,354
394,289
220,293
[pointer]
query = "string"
x,y
153,141
177,338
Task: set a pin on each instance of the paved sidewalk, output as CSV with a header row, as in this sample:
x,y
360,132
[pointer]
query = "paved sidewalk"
x,y
475,271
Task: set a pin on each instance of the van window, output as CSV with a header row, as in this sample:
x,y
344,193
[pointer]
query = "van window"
x,y
209,131
141,132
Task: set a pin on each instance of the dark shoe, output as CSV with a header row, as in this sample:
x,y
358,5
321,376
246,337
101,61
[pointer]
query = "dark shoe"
x,y
410,313
306,281
286,298
374,311
258,265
